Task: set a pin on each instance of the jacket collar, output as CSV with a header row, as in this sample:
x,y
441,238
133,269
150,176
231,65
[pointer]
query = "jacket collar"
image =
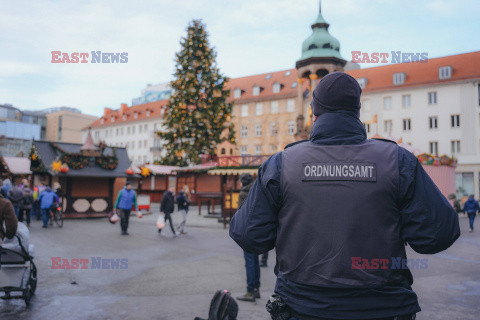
x,y
338,128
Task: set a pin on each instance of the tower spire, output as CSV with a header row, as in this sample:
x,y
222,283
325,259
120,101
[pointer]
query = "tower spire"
x,y
320,6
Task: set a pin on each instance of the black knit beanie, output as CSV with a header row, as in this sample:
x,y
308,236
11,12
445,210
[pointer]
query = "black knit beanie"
x,y
336,91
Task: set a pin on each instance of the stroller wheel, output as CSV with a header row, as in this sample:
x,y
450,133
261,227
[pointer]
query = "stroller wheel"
x,y
27,295
33,281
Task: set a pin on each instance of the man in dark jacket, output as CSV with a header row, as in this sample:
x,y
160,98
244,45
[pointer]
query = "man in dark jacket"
x,y
26,205
252,266
167,206
471,207
7,218
15,195
337,199
126,199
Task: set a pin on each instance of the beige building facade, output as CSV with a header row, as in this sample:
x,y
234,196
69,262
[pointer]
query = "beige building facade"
x,y
66,126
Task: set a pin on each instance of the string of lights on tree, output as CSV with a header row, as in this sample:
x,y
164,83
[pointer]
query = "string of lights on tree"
x,y
197,117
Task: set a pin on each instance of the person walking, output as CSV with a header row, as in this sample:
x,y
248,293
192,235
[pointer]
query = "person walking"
x,y
252,266
26,205
15,195
471,207
47,199
336,199
8,220
126,199
182,203
6,186
167,206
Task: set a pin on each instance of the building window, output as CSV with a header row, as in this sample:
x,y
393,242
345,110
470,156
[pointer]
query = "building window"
x,y
258,149
135,115
259,109
102,121
365,105
144,159
273,148
244,132
387,103
256,90
367,127
145,128
148,113
237,93
464,182
290,127
223,151
116,131
407,124
455,146
387,126
274,107
133,129
399,78
112,119
290,105
145,143
445,72
139,144
276,87
97,135
433,122
433,147
132,144
124,117
258,130
128,130
294,85
60,125
287,73
406,101
244,110
243,150
273,129
432,97
455,120
362,82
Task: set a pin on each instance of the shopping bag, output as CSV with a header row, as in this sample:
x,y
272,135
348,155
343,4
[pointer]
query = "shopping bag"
x,y
139,214
161,221
113,217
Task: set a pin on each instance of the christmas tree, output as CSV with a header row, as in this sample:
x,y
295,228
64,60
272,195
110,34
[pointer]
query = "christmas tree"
x,y
197,117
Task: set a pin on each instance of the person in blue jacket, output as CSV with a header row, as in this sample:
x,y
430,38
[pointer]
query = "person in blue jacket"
x,y
471,207
126,199
47,199
339,210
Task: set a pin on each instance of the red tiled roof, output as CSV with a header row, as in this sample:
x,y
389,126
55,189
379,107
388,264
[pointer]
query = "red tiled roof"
x,y
156,110
464,66
246,84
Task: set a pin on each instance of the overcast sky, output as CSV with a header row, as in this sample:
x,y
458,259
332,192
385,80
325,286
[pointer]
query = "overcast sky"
x,y
250,36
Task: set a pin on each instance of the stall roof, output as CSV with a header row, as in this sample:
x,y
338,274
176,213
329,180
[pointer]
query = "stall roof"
x,y
198,167
17,165
159,169
232,171
49,154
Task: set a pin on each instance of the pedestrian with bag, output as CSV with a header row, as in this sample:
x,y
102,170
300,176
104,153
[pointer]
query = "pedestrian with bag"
x,y
167,206
330,203
126,199
182,203
470,208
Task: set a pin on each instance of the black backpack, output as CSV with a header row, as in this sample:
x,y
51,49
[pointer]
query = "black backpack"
x,y
222,307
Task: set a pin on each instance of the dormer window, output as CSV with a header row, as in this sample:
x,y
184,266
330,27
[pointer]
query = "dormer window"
x,y
294,85
256,90
112,119
399,78
102,121
148,113
135,115
268,76
287,73
276,87
237,93
362,82
124,117
445,72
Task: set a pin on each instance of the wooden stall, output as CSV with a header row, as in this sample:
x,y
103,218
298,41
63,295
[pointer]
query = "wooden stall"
x,y
156,180
15,168
89,176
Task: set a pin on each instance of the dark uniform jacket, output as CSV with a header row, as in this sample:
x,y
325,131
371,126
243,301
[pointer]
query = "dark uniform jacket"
x,y
425,220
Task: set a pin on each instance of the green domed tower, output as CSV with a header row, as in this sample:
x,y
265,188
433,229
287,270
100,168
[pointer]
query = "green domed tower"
x,y
320,56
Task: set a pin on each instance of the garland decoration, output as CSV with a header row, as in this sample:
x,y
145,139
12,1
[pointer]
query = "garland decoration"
x,y
78,161
36,164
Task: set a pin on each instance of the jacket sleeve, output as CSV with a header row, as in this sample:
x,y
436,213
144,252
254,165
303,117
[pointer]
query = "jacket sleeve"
x,y
162,203
10,220
429,224
254,226
118,199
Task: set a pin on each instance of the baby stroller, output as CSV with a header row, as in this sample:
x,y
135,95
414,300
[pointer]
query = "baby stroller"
x,y
18,273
